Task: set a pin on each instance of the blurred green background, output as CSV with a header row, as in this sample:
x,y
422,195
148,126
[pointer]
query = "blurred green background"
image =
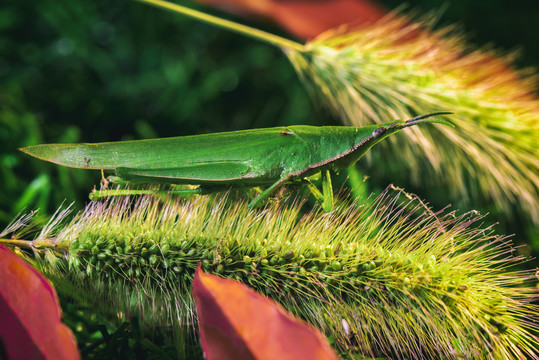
x,y
73,71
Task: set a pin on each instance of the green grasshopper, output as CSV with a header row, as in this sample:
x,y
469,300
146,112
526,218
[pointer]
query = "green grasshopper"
x,y
267,158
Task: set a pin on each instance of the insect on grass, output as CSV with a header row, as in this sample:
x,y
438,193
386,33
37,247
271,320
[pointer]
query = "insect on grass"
x,y
266,158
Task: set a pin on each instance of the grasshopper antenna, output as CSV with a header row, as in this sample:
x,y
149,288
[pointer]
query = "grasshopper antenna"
x,y
416,119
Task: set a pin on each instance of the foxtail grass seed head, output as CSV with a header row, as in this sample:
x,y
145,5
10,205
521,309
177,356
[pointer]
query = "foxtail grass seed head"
x,y
397,69
387,277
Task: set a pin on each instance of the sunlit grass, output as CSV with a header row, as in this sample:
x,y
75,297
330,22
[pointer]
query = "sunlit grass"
x,y
396,69
406,280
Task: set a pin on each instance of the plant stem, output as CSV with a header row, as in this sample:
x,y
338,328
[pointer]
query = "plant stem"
x,y
229,25
20,243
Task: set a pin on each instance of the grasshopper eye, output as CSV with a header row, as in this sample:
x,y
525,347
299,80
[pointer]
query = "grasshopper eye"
x,y
379,132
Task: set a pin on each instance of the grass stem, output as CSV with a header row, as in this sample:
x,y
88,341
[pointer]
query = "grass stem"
x,y
228,25
19,243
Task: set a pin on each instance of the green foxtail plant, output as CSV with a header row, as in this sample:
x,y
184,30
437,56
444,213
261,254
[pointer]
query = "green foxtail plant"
x,y
383,277
397,69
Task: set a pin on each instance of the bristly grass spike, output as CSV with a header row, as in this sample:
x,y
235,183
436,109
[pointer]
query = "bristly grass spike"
x,y
268,158
410,282
401,66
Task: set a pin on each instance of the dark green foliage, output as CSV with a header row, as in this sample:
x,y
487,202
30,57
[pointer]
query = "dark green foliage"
x,y
125,340
101,71
75,71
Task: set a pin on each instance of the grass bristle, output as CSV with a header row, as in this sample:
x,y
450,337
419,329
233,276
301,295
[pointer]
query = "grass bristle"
x,y
398,69
409,282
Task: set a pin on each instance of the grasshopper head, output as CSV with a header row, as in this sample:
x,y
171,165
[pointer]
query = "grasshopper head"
x,y
365,140
385,130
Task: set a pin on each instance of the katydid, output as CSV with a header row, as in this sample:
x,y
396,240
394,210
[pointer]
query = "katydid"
x,y
268,158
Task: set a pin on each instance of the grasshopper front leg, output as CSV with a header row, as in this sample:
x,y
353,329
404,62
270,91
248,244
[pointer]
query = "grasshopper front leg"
x,y
327,190
324,197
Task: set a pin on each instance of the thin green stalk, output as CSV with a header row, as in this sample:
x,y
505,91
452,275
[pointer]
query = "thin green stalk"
x,y
19,243
228,25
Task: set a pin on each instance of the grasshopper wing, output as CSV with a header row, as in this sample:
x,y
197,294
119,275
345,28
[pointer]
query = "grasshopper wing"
x,y
205,173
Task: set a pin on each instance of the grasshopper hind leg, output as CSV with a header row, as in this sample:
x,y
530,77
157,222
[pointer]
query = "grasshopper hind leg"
x,y
97,194
201,190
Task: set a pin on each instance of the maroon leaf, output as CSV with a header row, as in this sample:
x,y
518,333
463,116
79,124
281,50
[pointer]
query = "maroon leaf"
x,y
30,325
236,322
307,19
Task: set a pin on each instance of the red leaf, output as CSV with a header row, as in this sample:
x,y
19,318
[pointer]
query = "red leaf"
x,y
307,19
30,326
236,323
